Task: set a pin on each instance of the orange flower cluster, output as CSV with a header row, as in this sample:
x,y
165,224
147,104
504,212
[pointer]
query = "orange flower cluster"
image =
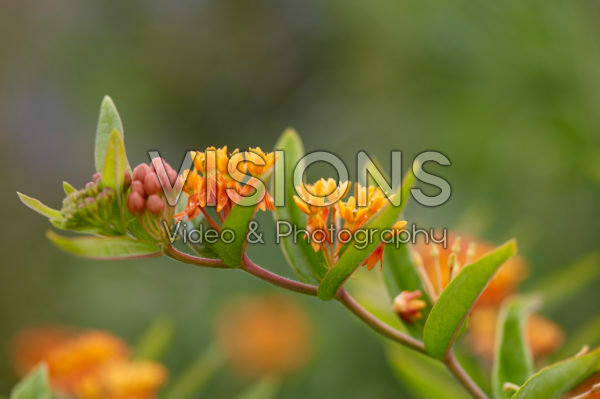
x,y
440,265
265,335
212,183
322,203
87,365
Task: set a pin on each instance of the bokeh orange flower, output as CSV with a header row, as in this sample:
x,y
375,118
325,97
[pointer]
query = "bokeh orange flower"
x,y
264,335
543,335
87,364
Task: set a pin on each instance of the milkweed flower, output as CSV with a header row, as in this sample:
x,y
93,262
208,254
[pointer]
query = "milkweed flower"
x,y
323,203
219,180
87,364
264,335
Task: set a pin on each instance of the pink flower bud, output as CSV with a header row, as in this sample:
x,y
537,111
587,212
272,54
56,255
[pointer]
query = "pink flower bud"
x,y
138,187
97,177
151,184
155,204
135,203
140,172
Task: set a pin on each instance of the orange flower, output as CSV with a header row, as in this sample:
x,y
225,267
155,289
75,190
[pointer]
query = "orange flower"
x,y
377,255
82,364
210,182
265,335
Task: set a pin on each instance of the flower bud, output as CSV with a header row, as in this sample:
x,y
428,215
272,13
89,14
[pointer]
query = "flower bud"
x,y
408,306
155,204
135,203
151,184
140,171
138,187
97,177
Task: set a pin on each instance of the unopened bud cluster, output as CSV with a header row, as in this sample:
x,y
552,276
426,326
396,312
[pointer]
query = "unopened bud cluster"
x,y
146,192
92,205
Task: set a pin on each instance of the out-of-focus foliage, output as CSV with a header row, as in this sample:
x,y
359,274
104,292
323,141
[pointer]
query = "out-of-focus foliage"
x,y
508,91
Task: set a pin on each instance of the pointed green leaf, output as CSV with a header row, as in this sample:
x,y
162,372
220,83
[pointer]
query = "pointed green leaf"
x,y
106,248
512,358
108,121
115,163
68,189
33,386
353,256
457,299
400,274
307,264
237,222
40,208
113,174
551,382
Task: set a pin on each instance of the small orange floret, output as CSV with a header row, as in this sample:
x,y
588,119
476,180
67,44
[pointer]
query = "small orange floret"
x,y
210,182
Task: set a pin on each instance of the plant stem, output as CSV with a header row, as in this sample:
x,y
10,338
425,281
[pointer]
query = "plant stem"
x,y
450,361
346,299
461,375
176,254
275,279
377,324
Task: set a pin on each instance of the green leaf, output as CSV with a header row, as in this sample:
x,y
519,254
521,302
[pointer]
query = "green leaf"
x,y
353,256
113,174
512,358
115,163
237,221
423,376
264,388
33,386
106,248
192,380
307,264
68,189
400,274
154,343
457,299
40,208
108,121
554,380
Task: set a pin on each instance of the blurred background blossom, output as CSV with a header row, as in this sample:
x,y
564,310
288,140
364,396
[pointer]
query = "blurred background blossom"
x,y
508,91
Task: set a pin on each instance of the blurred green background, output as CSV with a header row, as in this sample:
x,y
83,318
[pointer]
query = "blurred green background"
x,y
509,91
